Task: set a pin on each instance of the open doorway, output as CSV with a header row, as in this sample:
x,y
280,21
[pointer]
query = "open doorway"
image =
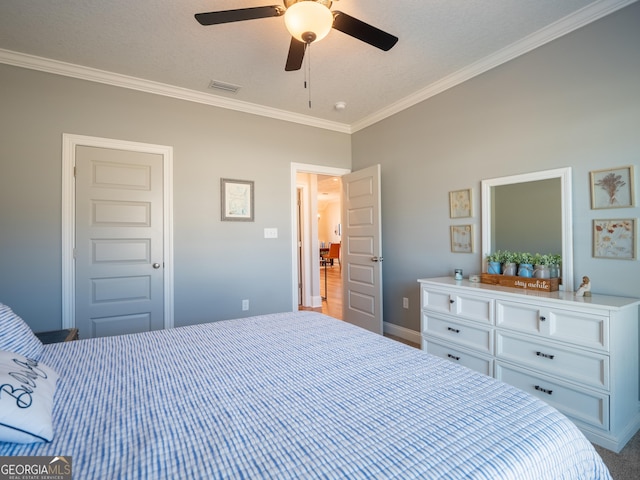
x,y
319,200
361,238
330,241
316,216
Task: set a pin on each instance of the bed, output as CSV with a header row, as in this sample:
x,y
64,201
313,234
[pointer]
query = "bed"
x,y
293,395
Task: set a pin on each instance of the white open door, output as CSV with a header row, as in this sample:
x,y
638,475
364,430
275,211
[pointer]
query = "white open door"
x,y
362,249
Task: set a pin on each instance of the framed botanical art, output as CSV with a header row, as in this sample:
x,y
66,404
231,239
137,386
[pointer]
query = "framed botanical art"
x,y
236,200
612,188
462,238
615,238
460,204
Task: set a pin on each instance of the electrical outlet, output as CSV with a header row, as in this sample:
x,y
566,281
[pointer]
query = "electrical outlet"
x,y
245,305
405,302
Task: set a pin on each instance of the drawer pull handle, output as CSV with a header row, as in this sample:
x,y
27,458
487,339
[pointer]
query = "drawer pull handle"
x,y
545,355
452,300
453,356
543,390
542,319
454,330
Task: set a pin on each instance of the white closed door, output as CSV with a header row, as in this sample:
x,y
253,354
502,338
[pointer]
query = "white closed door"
x,y
119,242
362,249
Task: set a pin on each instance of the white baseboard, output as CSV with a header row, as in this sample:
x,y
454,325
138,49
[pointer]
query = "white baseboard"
x,y
316,302
402,332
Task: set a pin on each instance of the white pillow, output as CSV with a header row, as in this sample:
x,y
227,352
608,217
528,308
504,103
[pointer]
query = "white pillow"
x,y
26,399
16,336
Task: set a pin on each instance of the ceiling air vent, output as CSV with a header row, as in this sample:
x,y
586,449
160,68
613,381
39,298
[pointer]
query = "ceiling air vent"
x,y
227,87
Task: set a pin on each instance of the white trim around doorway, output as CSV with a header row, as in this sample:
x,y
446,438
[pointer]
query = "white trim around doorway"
x,y
69,144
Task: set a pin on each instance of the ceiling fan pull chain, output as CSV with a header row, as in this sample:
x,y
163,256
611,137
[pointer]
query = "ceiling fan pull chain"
x,y
305,59
307,73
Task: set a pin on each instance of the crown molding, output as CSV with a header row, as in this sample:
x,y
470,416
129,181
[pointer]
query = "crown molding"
x,y
543,36
115,79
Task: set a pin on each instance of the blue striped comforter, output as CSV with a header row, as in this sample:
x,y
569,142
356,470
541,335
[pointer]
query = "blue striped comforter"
x,y
294,395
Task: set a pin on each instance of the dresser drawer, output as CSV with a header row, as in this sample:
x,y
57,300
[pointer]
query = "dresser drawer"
x,y
435,300
579,328
588,368
573,326
458,355
581,404
461,333
462,305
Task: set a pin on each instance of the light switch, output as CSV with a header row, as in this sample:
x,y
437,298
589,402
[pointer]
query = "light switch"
x,y
270,233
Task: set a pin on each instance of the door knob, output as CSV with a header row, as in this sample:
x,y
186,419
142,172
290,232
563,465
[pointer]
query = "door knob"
x,y
156,265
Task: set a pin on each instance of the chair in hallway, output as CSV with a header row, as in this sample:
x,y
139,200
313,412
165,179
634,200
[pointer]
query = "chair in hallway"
x,y
334,254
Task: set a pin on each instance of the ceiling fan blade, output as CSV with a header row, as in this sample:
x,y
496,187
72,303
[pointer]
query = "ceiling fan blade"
x,y
296,55
363,31
238,15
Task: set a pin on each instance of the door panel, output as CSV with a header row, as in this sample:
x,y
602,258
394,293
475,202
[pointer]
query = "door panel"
x,y
124,250
119,241
121,325
363,274
121,214
107,290
362,249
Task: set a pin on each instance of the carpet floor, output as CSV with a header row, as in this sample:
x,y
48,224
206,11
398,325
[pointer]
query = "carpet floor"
x,y
626,464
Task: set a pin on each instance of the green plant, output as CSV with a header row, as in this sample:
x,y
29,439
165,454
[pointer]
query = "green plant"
x,y
545,259
556,259
525,257
509,257
495,257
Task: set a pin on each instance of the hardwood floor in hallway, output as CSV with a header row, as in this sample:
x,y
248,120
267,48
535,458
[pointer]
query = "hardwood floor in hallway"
x,y
332,305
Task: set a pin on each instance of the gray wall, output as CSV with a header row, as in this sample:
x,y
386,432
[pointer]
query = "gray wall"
x,y
217,264
574,102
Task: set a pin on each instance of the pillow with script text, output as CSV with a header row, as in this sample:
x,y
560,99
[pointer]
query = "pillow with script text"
x,y
26,399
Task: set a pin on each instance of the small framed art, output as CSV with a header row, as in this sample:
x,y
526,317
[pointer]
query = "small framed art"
x,y
460,204
615,238
462,238
236,200
612,188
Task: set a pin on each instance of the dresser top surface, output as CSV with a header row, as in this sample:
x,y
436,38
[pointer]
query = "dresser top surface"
x,y
596,300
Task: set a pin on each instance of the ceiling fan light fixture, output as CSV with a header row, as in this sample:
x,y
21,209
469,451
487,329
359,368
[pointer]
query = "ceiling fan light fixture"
x,y
308,21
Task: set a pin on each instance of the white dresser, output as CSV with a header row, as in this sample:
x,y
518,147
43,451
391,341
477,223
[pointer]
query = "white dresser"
x,y
579,354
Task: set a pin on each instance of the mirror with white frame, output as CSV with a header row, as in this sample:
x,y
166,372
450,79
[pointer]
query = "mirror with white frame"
x,y
530,212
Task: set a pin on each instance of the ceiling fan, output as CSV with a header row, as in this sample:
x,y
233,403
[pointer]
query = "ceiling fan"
x,y
307,21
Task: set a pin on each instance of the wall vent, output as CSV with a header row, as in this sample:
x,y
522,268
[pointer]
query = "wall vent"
x,y
227,87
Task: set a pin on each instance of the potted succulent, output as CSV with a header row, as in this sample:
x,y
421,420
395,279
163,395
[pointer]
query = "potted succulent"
x,y
493,262
525,264
509,264
554,266
542,265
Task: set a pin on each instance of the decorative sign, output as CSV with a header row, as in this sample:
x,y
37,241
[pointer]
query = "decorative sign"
x,y
539,284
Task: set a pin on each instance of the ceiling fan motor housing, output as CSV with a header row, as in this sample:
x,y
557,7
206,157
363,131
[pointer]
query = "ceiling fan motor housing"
x,y
308,37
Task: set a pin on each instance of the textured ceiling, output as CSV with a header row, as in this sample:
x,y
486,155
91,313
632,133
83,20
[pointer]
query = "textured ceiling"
x,y
442,42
